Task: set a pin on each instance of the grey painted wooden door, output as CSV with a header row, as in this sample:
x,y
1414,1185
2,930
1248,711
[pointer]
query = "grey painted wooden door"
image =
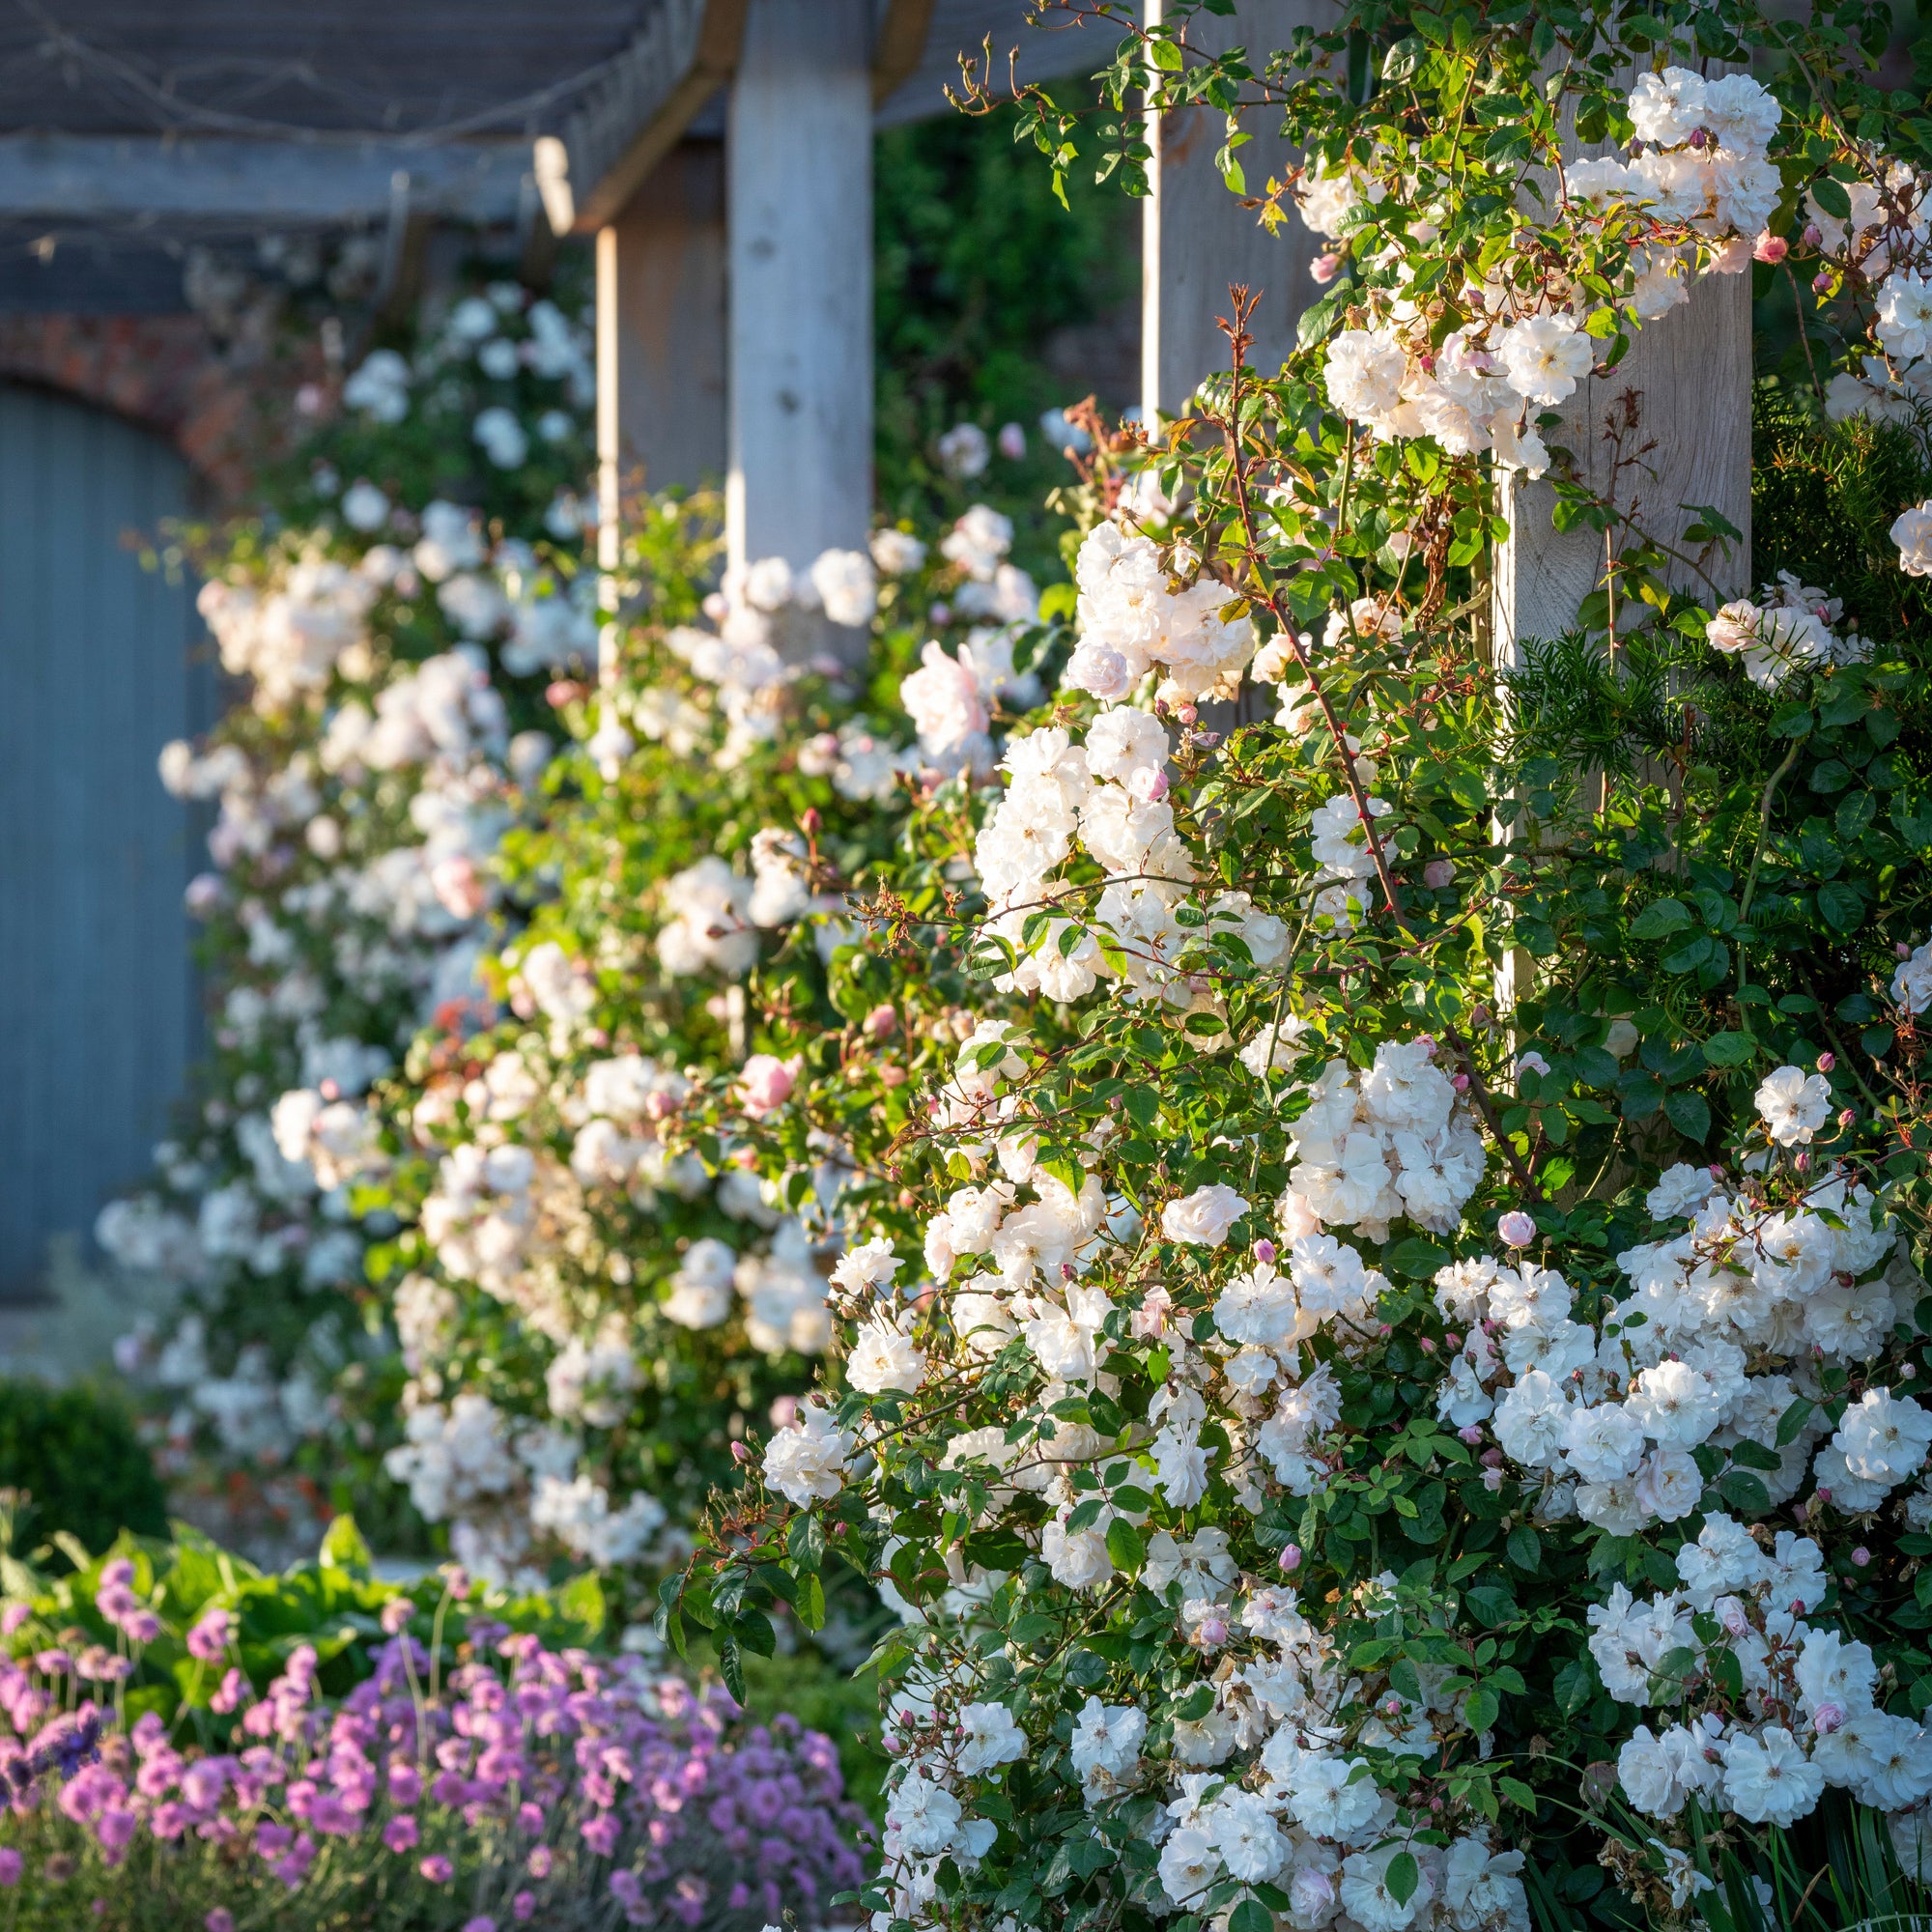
x,y
100,665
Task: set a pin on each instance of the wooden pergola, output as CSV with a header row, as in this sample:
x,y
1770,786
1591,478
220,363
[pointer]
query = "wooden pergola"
x,y
719,151
720,154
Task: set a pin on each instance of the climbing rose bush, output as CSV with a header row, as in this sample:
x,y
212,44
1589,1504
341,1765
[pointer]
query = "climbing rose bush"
x,y
1377,1366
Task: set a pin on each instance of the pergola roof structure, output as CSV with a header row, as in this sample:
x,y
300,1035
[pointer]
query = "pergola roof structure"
x,y
128,129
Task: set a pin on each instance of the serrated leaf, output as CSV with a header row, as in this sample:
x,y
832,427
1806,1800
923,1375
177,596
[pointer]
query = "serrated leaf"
x,y
1689,1112
1125,1546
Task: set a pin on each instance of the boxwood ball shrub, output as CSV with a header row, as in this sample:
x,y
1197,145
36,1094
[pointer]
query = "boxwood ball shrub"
x,y
76,1463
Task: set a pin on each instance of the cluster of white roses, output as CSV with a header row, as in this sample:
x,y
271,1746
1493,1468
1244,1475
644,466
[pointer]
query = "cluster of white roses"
x,y
1787,630
1772,1710
1263,1788
485,344
1734,1313
1135,617
358,818
1699,184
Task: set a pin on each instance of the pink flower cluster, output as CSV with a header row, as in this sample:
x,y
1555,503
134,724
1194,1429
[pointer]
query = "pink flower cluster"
x,y
558,1775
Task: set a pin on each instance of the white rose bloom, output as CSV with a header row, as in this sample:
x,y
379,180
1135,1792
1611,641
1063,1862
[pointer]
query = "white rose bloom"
x,y
1794,1105
883,1357
1204,1217
807,1462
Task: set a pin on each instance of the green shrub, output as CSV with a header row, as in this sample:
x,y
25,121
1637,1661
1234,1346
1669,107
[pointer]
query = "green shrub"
x,y
74,1456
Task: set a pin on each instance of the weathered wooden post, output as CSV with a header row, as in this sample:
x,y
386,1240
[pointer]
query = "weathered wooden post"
x,y
1687,381
799,222
1196,237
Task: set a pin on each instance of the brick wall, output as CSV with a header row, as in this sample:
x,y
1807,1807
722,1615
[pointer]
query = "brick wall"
x,y
224,408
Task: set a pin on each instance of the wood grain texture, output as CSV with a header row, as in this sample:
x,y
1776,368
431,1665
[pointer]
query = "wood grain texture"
x,y
1689,374
799,226
1196,236
98,671
669,315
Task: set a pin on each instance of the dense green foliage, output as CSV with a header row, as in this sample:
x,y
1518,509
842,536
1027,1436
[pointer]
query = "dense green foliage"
x,y
75,1458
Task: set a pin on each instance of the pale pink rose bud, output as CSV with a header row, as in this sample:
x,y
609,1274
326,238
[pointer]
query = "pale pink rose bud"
x,y
1828,1717
940,615
1821,283
1826,1062
1698,138
765,1084
1491,1459
882,1022
1901,950
1471,1433
1459,1081
1812,236
739,1453
1802,1162
1212,1632
1325,267
1770,247
1515,1228
1861,1556
1428,1346
1823,1494
1148,783
1265,1250
1846,1118
1291,1559
783,1410
1731,1614
1186,713
1450,1339
1438,873
1012,442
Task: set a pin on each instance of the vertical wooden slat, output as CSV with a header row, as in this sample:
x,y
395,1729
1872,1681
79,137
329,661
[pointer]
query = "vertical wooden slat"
x,y
1196,237
95,676
799,213
666,253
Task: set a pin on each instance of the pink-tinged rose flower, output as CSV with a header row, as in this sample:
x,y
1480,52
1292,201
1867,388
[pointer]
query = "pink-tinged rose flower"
x,y
1325,267
1438,873
1515,1228
765,1084
1770,247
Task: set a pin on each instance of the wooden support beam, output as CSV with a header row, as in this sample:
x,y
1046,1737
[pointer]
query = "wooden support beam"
x,y
663,258
799,202
899,45
1196,237
91,178
685,52
1687,376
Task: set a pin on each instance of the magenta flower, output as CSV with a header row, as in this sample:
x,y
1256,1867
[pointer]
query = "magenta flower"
x,y
400,1834
436,1869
